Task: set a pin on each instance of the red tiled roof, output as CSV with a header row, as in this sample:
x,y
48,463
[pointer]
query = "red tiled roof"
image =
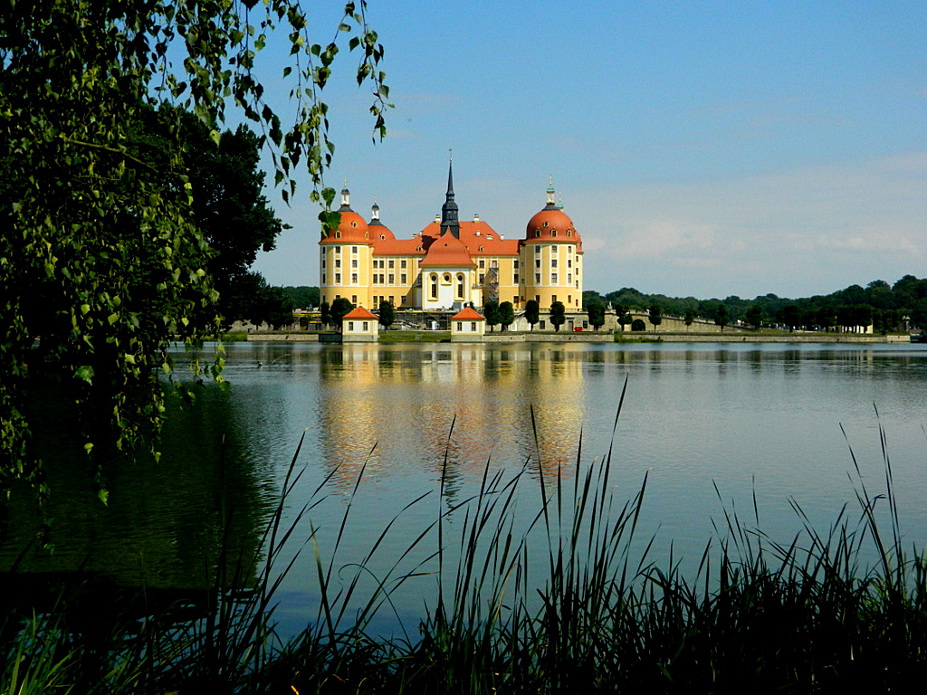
x,y
468,314
397,247
360,313
448,251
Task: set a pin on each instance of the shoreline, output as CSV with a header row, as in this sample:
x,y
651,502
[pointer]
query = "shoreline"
x,y
589,337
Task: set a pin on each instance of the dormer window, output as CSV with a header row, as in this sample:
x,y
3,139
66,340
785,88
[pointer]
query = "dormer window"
x,y
382,236
489,236
553,233
337,235
545,223
481,249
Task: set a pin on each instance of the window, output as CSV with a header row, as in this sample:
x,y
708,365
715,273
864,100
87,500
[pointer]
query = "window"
x,y
392,279
460,287
323,261
553,278
353,249
553,298
391,300
337,262
482,261
515,279
354,278
353,262
402,263
460,325
537,278
516,264
366,324
481,249
569,262
553,233
354,299
381,278
402,279
337,235
434,286
553,262
350,325
337,278
473,326
543,324
494,263
537,298
482,278
537,233
338,252
537,262
569,279
391,263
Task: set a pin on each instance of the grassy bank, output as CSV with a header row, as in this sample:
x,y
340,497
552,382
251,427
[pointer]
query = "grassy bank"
x,y
759,615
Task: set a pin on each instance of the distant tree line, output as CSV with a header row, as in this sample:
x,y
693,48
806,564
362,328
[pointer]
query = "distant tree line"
x,y
887,308
898,307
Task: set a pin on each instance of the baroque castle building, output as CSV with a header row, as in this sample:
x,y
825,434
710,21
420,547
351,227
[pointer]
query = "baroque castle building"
x,y
449,263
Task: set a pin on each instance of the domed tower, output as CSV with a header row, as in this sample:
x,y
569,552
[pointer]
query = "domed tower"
x,y
345,258
551,258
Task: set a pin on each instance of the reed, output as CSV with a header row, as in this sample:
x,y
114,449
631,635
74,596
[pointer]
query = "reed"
x,y
759,614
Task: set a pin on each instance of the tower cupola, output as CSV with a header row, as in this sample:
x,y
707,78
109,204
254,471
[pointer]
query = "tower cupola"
x,y
449,211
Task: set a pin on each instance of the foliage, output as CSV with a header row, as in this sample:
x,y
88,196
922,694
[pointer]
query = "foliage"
x,y
229,208
532,312
102,259
721,316
655,315
596,312
325,311
905,302
689,317
754,316
506,314
387,314
340,308
256,301
790,315
557,314
624,317
491,313
303,297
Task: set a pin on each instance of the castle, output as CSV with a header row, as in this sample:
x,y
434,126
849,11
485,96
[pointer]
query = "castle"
x,y
451,264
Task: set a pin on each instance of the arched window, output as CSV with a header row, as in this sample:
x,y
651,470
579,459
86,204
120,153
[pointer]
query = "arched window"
x,y
434,286
460,286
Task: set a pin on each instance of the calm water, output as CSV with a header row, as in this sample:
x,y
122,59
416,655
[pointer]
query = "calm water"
x,y
761,420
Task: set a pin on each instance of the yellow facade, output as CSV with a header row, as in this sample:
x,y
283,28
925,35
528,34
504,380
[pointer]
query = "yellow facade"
x,y
449,264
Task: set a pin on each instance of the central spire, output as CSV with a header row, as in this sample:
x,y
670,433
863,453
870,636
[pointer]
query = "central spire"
x,y
449,209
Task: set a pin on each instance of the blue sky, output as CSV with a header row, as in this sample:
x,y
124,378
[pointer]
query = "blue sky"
x,y
701,148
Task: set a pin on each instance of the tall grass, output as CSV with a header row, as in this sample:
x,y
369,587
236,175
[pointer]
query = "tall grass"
x,y
598,614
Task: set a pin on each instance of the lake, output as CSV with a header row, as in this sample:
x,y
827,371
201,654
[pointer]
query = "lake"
x,y
713,426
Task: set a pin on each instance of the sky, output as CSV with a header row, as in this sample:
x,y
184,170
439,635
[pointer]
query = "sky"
x,y
701,149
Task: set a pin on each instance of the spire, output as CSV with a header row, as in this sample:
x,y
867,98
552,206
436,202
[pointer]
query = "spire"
x,y
551,194
449,209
